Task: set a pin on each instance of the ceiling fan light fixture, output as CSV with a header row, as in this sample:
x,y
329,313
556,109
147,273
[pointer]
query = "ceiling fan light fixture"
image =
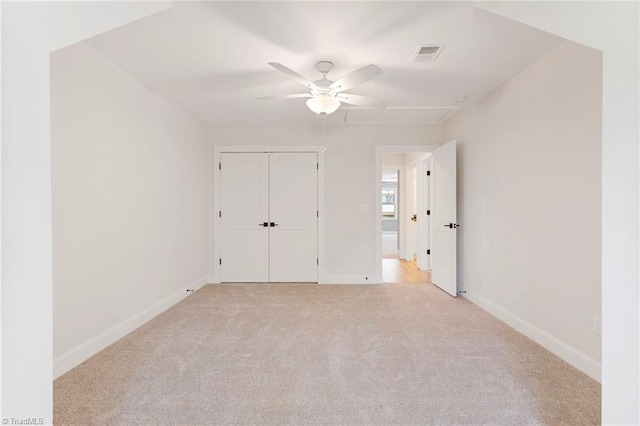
x,y
323,103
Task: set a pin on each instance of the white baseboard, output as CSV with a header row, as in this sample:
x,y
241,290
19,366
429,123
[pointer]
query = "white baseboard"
x,y
568,353
212,279
89,348
349,279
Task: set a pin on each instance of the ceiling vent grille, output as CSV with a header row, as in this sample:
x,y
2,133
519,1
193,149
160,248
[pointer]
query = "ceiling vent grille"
x,y
428,52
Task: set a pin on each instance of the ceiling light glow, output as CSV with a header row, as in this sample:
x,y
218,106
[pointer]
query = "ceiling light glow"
x,y
323,103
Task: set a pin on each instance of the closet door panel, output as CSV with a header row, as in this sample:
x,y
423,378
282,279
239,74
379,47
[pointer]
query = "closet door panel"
x,y
293,205
245,208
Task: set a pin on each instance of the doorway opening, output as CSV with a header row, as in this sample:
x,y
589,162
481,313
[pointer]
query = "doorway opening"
x,y
389,196
403,203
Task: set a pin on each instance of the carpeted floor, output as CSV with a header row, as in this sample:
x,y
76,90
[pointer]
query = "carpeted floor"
x,y
401,354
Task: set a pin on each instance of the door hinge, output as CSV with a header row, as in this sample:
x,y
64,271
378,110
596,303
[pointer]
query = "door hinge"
x,y
220,261
428,251
428,172
317,166
317,213
220,213
317,261
428,212
220,166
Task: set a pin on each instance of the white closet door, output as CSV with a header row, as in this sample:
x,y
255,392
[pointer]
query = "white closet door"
x,y
245,209
293,187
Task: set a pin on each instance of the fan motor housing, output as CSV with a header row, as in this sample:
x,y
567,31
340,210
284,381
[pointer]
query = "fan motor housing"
x,y
324,66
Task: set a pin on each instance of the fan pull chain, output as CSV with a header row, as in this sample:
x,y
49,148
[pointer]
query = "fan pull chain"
x,y
324,125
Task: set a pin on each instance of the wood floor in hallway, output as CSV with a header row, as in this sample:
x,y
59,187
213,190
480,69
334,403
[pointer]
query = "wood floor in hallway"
x,y
403,271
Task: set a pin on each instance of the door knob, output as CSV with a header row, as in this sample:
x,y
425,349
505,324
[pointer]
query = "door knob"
x,y
451,225
265,224
273,224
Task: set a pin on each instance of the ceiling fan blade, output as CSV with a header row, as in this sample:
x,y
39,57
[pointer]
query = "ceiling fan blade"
x,y
292,96
294,75
356,78
364,101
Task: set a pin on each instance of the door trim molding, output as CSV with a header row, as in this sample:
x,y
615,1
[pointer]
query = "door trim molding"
x,y
215,277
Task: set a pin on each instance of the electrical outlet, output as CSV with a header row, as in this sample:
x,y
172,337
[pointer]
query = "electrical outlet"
x,y
597,324
356,260
466,269
364,207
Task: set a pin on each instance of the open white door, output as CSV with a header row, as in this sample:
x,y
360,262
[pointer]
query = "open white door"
x,y
443,247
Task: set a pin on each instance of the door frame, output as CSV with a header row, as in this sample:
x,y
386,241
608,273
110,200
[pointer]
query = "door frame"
x,y
217,190
424,220
383,149
424,203
411,191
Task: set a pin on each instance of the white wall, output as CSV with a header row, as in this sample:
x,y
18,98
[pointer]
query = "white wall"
x,y
350,183
129,200
529,200
30,31
613,28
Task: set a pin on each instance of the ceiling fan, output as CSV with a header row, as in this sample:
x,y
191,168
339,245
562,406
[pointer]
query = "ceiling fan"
x,y
325,95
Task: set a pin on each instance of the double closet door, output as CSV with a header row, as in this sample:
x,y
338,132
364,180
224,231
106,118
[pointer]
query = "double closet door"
x,y
269,217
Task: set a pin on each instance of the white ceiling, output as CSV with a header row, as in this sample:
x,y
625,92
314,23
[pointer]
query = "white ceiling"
x,y
211,57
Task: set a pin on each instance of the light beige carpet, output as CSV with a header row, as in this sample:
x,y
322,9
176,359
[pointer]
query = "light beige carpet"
x,y
325,354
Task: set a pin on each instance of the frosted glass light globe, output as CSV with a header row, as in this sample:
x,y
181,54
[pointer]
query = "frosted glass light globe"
x,y
323,103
